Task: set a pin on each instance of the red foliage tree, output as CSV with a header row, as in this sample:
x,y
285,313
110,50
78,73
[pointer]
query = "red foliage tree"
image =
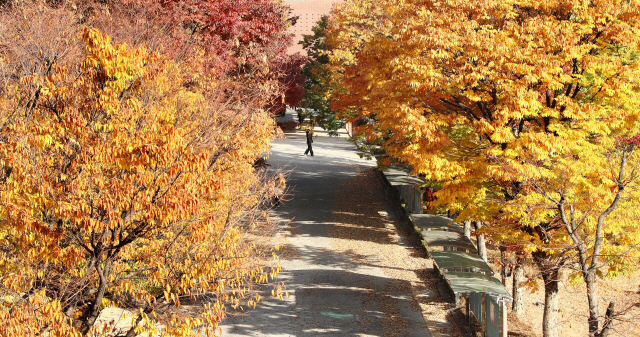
x,y
244,40
246,36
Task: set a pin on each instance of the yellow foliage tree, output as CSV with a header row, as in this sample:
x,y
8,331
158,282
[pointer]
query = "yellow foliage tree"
x,y
525,111
126,180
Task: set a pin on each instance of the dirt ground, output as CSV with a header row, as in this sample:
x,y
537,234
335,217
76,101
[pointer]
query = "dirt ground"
x,y
625,290
373,235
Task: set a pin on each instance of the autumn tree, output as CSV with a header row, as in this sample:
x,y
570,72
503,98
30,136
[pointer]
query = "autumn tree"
x,y
244,41
127,179
288,74
246,38
520,109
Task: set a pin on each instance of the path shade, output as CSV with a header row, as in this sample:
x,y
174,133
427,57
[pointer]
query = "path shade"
x,y
461,260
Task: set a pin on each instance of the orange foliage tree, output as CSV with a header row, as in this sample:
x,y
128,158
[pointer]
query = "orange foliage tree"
x,y
524,111
127,180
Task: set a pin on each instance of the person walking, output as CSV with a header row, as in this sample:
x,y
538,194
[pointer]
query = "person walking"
x,y
309,141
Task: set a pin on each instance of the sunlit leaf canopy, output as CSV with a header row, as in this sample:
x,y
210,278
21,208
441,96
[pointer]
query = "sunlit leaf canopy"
x,y
496,99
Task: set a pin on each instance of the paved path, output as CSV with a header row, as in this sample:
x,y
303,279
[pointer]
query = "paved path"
x,y
331,294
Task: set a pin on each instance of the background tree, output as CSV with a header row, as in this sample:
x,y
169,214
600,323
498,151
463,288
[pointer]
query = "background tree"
x,y
244,41
318,84
246,38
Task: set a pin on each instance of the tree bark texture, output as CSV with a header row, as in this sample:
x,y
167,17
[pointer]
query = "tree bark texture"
x,y
592,297
482,248
550,317
467,229
608,320
503,265
518,277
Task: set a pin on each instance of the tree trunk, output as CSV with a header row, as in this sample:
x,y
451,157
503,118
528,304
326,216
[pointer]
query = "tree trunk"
x,y
592,297
132,330
550,318
94,309
550,270
503,265
518,278
608,319
482,248
467,229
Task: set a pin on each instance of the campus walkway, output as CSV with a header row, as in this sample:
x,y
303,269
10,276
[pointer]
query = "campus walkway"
x,y
343,262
